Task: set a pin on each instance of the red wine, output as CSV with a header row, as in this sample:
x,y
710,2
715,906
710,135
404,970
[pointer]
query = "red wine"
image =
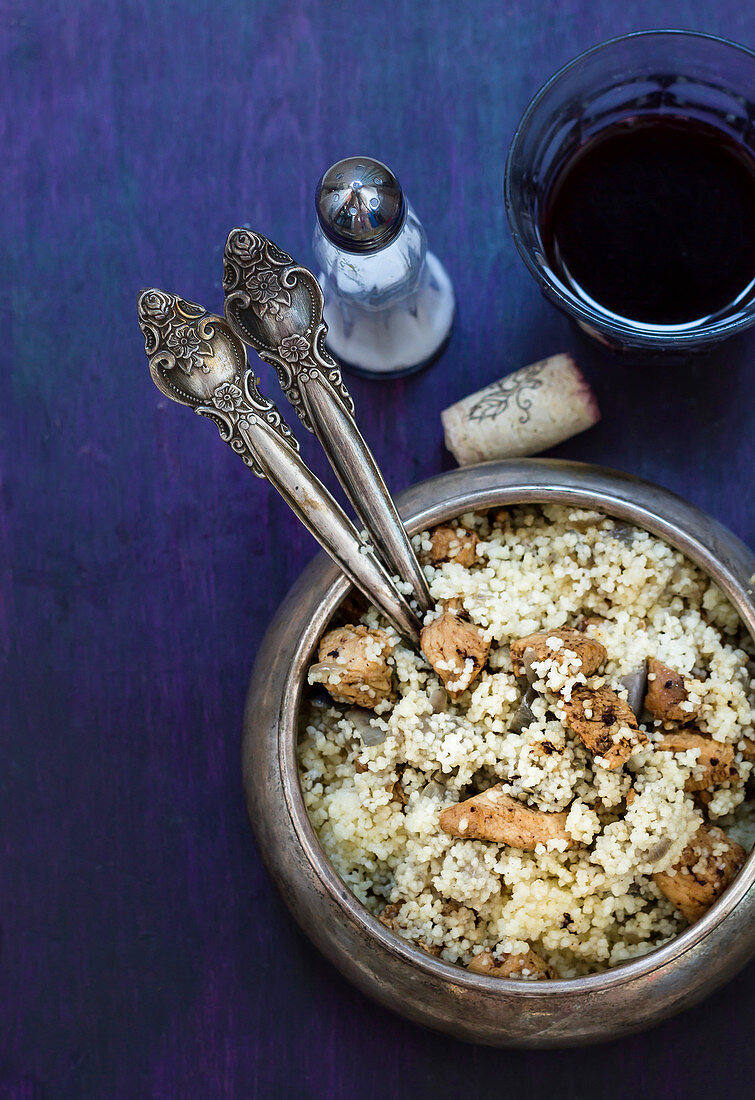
x,y
653,219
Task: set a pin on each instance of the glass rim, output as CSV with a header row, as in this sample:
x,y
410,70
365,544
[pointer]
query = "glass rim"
x,y
640,333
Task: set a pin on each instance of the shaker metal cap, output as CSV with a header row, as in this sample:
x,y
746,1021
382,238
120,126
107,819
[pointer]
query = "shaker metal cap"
x,y
360,204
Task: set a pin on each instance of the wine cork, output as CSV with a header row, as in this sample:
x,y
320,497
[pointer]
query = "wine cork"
x,y
524,413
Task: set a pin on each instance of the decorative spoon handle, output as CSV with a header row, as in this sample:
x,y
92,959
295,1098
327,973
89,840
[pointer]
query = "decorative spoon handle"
x,y
197,360
276,306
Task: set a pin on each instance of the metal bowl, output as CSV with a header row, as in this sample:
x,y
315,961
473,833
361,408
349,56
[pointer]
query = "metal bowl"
x,y
388,968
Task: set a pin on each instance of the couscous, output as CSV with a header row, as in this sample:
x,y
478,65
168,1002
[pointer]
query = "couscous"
x,y
555,784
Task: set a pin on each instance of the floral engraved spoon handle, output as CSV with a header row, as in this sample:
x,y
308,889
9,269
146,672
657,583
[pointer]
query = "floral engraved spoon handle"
x,y
276,306
197,360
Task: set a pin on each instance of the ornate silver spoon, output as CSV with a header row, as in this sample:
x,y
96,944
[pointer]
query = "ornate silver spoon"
x,y
197,360
275,306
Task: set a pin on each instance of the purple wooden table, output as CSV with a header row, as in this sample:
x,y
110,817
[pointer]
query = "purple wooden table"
x,y
144,952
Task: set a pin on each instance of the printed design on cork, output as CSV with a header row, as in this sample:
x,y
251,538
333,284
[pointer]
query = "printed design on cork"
x,y
507,392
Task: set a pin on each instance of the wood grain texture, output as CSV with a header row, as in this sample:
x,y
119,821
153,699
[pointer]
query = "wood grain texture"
x,y
144,952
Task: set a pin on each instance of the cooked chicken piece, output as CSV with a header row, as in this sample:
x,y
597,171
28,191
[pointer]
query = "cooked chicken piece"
x,y
591,653
705,868
715,757
457,651
353,666
748,752
452,544
604,723
666,692
530,966
494,815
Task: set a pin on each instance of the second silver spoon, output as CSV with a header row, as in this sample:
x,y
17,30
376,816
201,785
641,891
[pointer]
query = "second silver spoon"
x,y
275,306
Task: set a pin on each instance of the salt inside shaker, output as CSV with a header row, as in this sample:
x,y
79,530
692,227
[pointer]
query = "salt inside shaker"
x,y
389,303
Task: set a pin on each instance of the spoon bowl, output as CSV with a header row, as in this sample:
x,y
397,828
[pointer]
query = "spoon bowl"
x,y
191,352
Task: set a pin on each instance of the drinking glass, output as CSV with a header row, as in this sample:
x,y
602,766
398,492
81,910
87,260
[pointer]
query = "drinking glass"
x,y
649,73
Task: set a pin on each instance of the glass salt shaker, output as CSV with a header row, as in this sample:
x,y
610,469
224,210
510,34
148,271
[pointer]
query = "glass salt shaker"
x,y
389,303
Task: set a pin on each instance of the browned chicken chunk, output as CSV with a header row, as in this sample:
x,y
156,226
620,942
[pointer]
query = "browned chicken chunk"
x,y
457,651
452,544
496,816
715,757
706,867
666,693
597,717
353,666
591,653
529,965
747,748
